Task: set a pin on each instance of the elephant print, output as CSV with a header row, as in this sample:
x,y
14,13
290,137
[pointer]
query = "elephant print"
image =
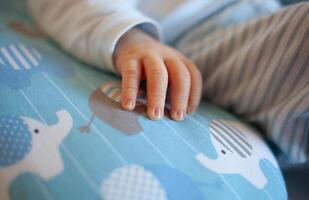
x,y
237,146
104,102
27,145
20,61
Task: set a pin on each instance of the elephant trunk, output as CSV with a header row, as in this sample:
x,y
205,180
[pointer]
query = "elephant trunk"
x,y
211,164
63,126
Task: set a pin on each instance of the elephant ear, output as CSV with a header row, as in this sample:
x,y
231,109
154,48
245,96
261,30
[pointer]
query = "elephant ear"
x,y
13,133
36,60
104,103
112,89
110,112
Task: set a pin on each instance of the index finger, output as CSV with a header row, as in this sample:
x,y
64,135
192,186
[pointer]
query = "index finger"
x,y
131,75
157,79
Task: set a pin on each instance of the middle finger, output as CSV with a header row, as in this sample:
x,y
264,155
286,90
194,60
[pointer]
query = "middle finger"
x,y
157,80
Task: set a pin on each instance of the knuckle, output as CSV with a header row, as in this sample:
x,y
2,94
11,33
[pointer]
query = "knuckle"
x,y
129,88
123,58
129,53
181,98
157,71
181,81
170,61
159,74
185,76
157,95
131,72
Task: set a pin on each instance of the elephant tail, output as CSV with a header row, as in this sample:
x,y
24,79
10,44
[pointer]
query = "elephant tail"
x,y
86,128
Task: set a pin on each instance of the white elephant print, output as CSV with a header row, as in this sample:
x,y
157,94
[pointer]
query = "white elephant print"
x,y
27,145
239,151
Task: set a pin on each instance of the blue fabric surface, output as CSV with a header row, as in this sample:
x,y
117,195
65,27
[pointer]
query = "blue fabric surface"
x,y
83,146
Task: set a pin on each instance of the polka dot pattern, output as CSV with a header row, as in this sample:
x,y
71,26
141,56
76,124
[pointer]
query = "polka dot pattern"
x,y
132,182
15,140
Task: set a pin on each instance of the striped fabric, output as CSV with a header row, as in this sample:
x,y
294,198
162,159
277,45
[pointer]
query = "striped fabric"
x,y
260,71
229,136
112,90
19,57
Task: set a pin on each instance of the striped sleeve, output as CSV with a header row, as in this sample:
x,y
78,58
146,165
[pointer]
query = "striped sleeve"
x,y
260,71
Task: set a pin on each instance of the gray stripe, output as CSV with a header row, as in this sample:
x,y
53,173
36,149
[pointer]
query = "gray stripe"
x,y
290,65
233,79
238,134
261,70
272,120
201,50
218,54
290,139
244,36
220,141
279,65
290,112
232,134
248,95
241,61
111,89
297,125
297,52
233,43
207,68
297,78
278,17
227,140
298,75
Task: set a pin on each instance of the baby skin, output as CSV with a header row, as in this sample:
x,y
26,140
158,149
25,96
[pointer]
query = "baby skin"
x,y
139,57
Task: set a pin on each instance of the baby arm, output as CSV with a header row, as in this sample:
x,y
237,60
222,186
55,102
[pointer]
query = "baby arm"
x,y
140,57
102,33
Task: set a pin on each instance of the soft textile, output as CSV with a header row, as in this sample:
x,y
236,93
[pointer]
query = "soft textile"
x,y
63,135
260,71
82,26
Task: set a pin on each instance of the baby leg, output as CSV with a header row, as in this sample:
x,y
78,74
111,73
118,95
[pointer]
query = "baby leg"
x,y
260,71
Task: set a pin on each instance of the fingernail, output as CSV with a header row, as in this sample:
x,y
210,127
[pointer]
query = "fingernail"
x,y
129,104
190,109
179,115
157,114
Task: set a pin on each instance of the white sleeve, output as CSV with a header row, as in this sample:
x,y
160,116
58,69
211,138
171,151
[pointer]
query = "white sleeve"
x,y
90,29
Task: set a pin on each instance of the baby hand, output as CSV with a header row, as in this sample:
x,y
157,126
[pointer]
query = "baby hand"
x,y
140,57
